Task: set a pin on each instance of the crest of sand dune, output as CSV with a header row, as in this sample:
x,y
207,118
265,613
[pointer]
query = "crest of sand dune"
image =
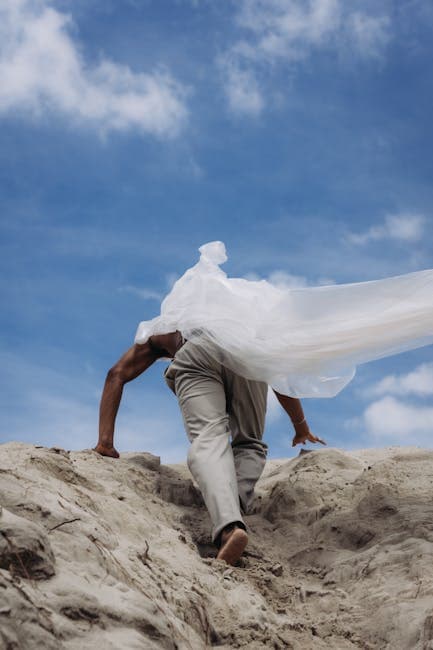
x,y
114,554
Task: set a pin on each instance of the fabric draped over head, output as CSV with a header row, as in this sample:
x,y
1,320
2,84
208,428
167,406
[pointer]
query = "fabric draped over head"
x,y
303,342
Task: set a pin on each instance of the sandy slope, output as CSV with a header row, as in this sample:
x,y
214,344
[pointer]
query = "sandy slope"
x,y
341,554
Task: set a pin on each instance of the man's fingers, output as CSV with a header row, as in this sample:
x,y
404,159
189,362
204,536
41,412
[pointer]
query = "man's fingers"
x,y
317,439
310,437
301,440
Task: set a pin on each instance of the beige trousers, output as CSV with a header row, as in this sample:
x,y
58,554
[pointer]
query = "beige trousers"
x,y
217,405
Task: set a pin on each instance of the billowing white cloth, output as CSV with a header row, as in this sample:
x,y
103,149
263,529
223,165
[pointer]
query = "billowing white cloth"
x,y
303,342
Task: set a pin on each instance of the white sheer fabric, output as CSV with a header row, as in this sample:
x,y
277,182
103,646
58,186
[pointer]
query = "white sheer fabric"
x,y
303,342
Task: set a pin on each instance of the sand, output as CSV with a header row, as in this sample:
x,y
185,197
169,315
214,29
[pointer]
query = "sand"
x,y
115,554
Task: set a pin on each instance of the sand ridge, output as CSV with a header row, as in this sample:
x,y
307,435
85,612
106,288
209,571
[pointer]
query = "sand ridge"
x,y
115,553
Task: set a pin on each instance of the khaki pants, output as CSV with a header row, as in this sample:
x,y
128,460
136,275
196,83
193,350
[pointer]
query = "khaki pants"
x,y
216,404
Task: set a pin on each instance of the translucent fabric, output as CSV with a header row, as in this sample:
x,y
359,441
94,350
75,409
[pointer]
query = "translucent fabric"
x,y
302,342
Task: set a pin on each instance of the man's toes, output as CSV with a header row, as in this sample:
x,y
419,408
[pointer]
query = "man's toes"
x,y
233,547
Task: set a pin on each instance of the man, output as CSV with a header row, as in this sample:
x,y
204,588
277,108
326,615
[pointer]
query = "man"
x,y
215,403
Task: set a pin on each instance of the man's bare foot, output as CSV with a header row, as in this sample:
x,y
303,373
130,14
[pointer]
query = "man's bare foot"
x,y
106,451
233,543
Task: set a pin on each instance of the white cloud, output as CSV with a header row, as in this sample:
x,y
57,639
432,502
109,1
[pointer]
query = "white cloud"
x,y
241,87
283,280
142,292
171,279
369,33
286,28
417,382
145,293
289,31
390,418
403,227
43,71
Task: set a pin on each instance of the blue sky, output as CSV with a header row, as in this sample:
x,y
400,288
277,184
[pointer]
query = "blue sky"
x,y
131,132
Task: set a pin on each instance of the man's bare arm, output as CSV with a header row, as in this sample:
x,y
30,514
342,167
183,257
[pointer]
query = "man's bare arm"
x,y
135,361
293,408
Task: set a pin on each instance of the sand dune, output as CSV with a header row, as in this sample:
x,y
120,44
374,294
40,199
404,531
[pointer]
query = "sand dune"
x,y
115,554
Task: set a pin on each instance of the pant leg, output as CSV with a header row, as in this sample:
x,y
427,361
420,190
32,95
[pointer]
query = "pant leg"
x,y
201,393
247,409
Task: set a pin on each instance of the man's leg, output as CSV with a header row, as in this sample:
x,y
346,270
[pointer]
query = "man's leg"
x,y
247,410
201,394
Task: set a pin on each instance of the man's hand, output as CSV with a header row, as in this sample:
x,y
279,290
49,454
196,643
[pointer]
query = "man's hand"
x,y
293,408
303,438
303,434
106,451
